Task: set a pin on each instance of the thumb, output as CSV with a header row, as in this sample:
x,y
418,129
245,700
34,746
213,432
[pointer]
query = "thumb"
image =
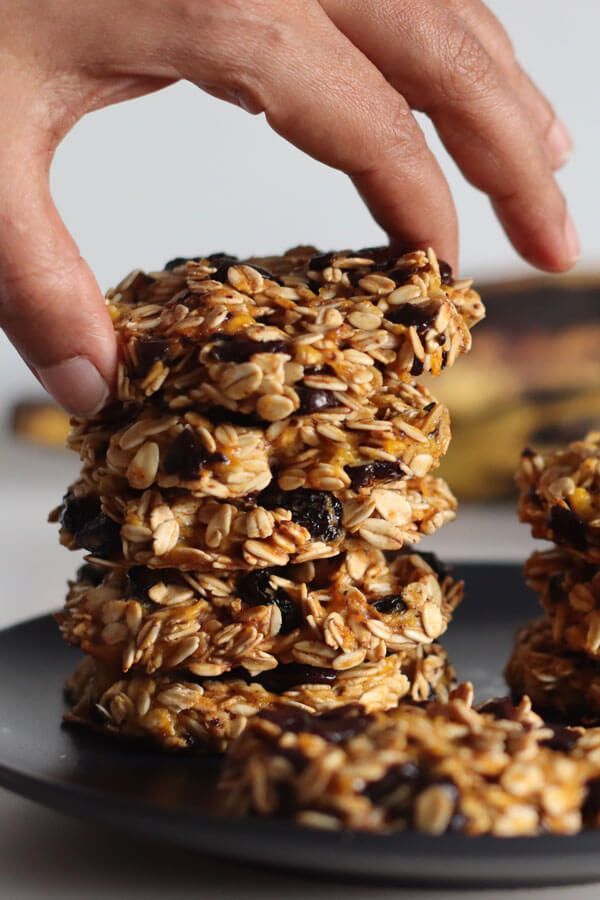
x,y
51,307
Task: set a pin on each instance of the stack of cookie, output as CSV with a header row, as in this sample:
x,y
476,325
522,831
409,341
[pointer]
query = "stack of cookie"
x,y
251,499
556,659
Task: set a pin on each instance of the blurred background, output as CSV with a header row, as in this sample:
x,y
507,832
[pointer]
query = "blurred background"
x,y
179,173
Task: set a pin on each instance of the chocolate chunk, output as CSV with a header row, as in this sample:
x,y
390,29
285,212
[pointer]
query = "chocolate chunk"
x,y
313,400
416,314
567,527
291,675
405,774
445,272
320,512
90,574
188,456
391,603
320,262
241,349
377,470
148,352
417,367
563,738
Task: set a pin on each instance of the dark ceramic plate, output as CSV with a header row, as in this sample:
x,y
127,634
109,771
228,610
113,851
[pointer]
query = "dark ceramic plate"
x,y
171,797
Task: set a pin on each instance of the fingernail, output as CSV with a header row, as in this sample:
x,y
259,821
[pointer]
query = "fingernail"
x,y
572,239
76,384
559,141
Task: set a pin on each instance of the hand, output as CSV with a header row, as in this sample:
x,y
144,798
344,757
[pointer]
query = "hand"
x,y
338,78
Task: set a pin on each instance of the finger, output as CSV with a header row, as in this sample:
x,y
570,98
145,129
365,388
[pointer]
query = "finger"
x,y
442,69
50,305
319,92
494,39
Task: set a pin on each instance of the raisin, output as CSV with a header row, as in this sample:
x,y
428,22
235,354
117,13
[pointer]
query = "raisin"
x,y
180,261
218,415
563,738
378,470
414,314
188,456
499,708
90,574
591,806
291,675
556,591
101,536
148,352
139,580
567,527
313,400
320,512
444,358
446,276
342,724
397,776
320,262
391,603
241,349
288,718
255,589
76,512
222,256
402,276
417,367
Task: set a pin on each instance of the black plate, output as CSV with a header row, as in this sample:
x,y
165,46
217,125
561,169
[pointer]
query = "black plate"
x,y
171,797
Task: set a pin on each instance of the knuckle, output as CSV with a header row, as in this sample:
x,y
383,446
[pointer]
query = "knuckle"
x,y
469,70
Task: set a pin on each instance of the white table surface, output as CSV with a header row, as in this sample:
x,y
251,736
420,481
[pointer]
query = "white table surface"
x,y
46,855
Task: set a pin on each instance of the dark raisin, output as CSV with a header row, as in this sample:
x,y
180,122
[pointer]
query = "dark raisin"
x,y
444,358
402,276
320,512
391,603
556,591
313,400
381,256
76,512
499,708
288,718
342,724
101,536
265,273
90,574
188,456
458,823
378,470
416,314
314,286
563,738
325,570
241,349
255,589
180,261
222,256
320,262
288,676
417,367
445,272
528,453
223,265
148,352
591,806
219,415
397,776
567,527
139,580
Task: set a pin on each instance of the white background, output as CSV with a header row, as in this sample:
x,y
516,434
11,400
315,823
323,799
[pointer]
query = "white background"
x,y
179,173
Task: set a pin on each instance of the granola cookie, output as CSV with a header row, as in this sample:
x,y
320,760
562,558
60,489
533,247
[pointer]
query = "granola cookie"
x,y
562,684
402,434
441,768
570,593
298,333
178,712
560,496
335,614
175,529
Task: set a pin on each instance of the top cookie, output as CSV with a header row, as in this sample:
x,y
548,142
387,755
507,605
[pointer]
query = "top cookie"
x,y
560,496
298,333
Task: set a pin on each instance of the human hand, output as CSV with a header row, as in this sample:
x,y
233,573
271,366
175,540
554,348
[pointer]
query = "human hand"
x,y
338,78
